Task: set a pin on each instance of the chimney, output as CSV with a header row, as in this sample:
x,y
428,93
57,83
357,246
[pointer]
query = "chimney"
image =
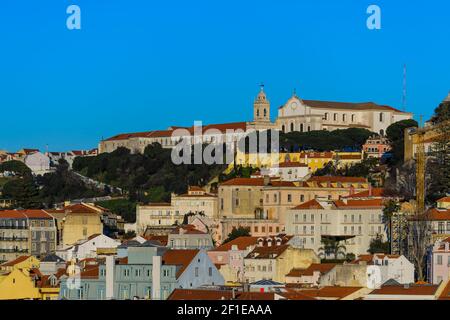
x,y
109,277
156,277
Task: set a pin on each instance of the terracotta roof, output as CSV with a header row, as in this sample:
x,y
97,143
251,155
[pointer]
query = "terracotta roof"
x,y
200,294
161,239
11,214
445,199
295,295
445,295
410,290
332,179
15,261
331,292
375,192
359,204
187,229
90,273
320,267
180,258
267,252
368,258
242,243
37,214
349,157
291,165
349,105
255,182
315,155
311,204
80,208
439,215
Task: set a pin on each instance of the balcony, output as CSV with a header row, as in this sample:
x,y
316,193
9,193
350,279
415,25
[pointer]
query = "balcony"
x,y
13,239
14,250
14,227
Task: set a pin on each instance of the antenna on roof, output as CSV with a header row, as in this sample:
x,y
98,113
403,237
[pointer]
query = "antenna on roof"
x,y
404,88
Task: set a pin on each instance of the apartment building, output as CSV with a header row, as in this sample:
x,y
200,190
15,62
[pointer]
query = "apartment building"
x,y
353,222
26,232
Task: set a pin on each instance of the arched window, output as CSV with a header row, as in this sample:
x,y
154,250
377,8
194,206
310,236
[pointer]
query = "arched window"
x,y
353,118
257,112
265,112
309,128
335,117
292,127
301,127
344,117
382,132
283,128
381,116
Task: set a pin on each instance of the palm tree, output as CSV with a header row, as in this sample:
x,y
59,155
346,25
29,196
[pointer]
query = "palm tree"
x,y
331,247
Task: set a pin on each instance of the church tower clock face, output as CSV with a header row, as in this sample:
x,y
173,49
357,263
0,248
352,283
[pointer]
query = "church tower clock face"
x,y
294,105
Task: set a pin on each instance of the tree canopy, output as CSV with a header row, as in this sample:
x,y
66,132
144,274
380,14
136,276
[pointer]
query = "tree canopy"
x,y
395,134
347,139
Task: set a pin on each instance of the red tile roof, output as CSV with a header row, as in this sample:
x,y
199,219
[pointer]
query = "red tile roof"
x,y
267,252
242,243
403,290
180,258
349,105
23,214
341,179
445,199
439,215
80,208
312,204
375,192
320,267
331,292
199,294
15,261
359,204
256,182
291,165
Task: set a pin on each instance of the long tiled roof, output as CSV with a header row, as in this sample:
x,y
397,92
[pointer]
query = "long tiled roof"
x,y
311,204
15,261
23,214
242,243
406,290
357,106
256,182
181,258
321,267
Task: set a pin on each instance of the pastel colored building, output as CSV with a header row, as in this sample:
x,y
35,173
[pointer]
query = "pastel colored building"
x,y
440,261
273,258
26,232
354,222
230,257
187,237
196,201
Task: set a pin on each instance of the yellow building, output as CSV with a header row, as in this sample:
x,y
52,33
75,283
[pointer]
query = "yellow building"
x,y
314,160
80,222
272,260
21,279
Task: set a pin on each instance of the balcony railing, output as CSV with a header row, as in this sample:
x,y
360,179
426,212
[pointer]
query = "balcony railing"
x,y
13,239
14,227
14,250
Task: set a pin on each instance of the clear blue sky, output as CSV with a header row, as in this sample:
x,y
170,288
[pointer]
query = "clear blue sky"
x,y
139,65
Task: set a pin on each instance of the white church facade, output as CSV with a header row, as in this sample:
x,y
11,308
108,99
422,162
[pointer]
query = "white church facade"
x,y
295,115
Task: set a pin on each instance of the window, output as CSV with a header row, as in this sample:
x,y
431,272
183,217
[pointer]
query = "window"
x,y
353,118
381,116
335,117
302,198
256,228
344,117
289,198
439,260
326,116
210,271
196,271
292,127
301,127
283,128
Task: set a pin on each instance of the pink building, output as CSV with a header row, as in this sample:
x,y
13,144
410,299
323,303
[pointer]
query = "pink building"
x,y
232,254
440,261
376,146
257,227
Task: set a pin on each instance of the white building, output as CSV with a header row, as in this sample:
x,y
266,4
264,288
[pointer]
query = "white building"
x,y
196,200
288,171
38,162
354,222
87,248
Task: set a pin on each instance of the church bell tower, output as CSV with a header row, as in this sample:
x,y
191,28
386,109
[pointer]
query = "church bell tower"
x,y
261,107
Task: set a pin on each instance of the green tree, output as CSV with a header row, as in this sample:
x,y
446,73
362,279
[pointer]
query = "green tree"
x,y
395,133
24,191
17,167
390,208
377,245
332,248
238,232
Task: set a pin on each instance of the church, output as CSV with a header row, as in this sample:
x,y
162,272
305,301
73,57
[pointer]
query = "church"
x,y
295,115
